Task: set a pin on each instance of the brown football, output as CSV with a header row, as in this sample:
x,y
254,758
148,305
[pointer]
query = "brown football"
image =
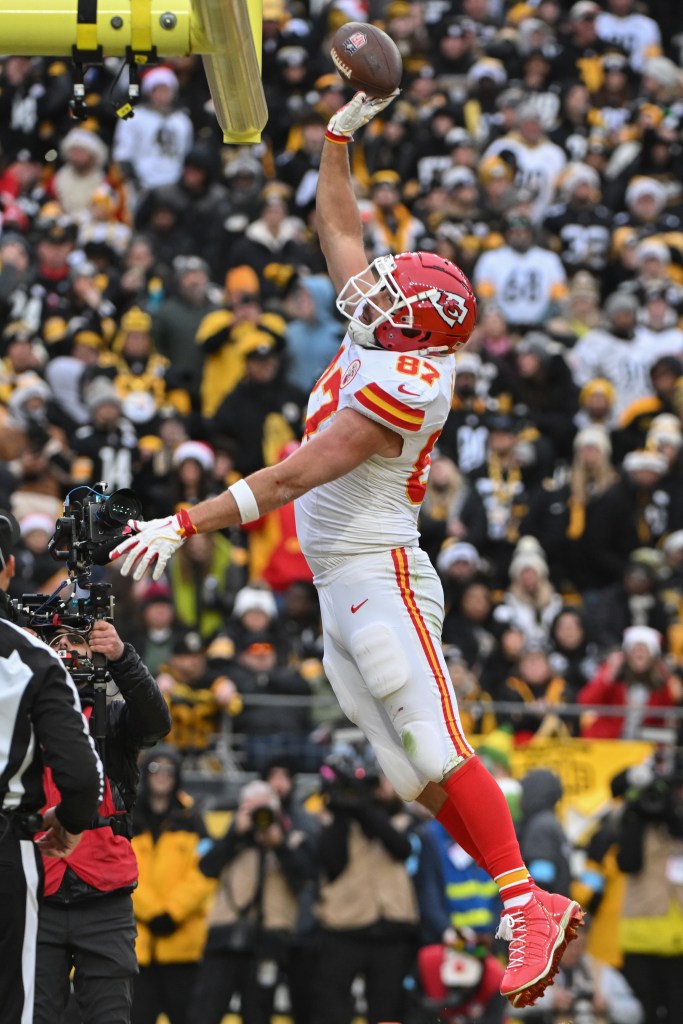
x,y
367,58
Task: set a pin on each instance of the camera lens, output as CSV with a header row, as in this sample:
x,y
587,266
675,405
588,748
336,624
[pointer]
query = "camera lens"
x,y
263,818
119,507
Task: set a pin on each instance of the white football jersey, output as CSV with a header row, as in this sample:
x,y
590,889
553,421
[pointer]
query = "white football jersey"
x,y
636,34
538,168
626,364
375,506
523,284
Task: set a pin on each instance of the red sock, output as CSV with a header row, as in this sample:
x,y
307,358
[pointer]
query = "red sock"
x,y
486,819
455,826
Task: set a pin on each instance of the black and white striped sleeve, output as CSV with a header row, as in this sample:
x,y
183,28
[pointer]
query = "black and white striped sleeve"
x,y
40,708
69,749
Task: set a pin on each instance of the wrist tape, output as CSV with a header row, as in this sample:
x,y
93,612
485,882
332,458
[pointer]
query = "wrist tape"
x,y
187,527
340,140
245,501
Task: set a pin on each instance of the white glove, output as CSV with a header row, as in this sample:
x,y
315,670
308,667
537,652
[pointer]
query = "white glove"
x,y
357,112
153,544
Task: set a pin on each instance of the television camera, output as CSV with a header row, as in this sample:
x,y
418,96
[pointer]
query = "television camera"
x,y
92,525
347,779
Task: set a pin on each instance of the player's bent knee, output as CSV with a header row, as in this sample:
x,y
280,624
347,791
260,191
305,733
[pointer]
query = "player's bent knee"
x,y
424,744
345,698
378,655
403,776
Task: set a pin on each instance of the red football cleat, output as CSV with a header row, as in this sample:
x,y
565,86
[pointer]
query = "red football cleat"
x,y
534,937
569,915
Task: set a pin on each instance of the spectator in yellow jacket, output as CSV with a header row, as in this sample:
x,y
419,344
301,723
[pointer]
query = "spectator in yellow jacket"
x,y
172,897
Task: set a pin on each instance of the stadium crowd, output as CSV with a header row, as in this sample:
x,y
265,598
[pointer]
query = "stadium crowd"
x,y
164,312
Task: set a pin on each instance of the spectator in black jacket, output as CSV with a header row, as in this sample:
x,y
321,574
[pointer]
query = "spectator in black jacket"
x,y
574,654
452,510
563,512
263,395
633,601
86,918
202,202
545,390
633,512
275,724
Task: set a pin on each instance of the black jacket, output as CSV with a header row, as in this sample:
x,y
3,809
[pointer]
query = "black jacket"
x,y
40,724
139,720
618,610
550,402
295,857
468,509
579,561
263,719
376,823
242,417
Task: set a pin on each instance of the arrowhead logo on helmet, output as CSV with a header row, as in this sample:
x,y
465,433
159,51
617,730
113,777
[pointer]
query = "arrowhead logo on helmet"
x,y
451,307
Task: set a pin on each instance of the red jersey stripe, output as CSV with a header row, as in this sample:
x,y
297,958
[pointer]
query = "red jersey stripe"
x,y
400,560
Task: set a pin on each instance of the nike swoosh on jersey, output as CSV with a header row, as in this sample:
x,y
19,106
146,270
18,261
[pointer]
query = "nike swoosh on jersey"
x,y
404,391
355,607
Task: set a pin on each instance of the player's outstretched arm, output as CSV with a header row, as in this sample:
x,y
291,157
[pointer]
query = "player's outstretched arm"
x,y
337,216
349,440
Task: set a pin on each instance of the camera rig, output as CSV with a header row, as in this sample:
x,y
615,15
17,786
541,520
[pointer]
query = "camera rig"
x,y
93,523
227,34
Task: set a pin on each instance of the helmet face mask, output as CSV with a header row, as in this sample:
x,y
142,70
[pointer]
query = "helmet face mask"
x,y
410,302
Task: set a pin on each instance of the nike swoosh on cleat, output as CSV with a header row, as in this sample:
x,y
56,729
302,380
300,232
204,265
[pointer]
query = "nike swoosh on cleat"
x,y
355,607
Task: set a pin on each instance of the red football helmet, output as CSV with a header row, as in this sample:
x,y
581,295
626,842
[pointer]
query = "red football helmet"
x,y
410,302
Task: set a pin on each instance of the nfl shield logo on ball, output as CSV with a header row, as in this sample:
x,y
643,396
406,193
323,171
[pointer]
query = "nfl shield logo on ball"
x,y
353,43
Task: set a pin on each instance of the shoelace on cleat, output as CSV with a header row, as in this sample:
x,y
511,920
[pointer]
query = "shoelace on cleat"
x,y
510,925
505,928
513,929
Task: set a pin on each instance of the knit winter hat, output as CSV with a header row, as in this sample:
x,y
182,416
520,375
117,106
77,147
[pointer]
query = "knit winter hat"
x,y
101,392
642,635
594,436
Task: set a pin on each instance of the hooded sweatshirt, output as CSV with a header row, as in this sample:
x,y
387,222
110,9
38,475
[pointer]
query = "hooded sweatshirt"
x,y
312,344
544,845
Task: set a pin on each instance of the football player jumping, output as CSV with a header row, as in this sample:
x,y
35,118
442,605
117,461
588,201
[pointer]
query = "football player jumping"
x,y
358,481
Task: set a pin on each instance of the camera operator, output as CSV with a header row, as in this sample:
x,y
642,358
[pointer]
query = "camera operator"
x,y
261,864
367,906
86,918
650,838
40,722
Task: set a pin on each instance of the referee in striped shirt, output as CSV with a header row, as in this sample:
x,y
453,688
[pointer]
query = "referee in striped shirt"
x,y
40,722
